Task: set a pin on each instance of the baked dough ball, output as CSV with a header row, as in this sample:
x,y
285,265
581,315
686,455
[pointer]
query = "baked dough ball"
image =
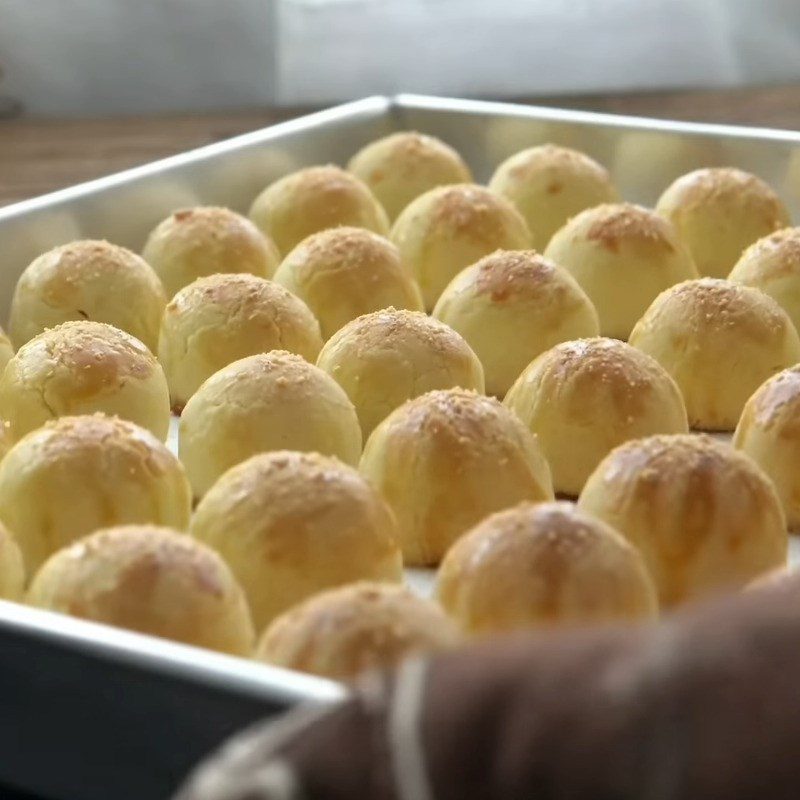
x,y
769,432
704,517
447,459
451,227
387,357
623,256
270,401
772,264
549,184
151,580
404,165
512,305
538,565
346,631
720,211
6,350
345,272
313,199
720,342
222,318
5,438
79,368
195,242
584,398
88,280
292,524
12,567
79,474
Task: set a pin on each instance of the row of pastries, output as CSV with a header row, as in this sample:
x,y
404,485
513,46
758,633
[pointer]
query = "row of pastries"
x,y
393,366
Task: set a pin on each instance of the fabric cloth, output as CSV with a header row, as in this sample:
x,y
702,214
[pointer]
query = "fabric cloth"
x,y
705,706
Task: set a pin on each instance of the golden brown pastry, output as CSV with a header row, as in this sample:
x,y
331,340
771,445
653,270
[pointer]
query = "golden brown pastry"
x,y
5,438
346,631
769,432
387,357
512,305
292,524
623,256
451,227
719,341
343,273
78,474
80,368
313,199
222,318
88,280
195,242
447,459
718,212
6,350
270,401
12,567
148,579
549,184
772,264
704,516
540,565
584,398
402,166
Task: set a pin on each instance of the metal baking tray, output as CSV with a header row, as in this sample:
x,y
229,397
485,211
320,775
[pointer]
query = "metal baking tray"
x,y
90,712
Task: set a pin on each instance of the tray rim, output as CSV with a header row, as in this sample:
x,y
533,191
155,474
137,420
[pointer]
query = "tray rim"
x,y
396,103
246,677
373,104
196,664
585,117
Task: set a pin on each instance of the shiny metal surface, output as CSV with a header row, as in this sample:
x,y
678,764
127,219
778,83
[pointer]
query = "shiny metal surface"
x,y
643,156
124,207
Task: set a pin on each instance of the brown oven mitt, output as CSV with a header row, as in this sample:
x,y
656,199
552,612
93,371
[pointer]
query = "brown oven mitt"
x,y
705,706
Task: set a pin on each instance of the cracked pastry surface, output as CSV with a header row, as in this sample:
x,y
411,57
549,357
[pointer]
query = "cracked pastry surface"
x,y
78,474
585,397
314,199
451,227
542,565
623,256
772,264
718,212
91,280
769,432
291,524
445,460
195,242
79,368
549,184
390,356
345,272
270,401
148,579
222,318
346,631
720,341
704,516
402,166
511,306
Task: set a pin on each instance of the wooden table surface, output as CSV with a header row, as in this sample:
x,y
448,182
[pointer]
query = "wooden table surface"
x,y
40,155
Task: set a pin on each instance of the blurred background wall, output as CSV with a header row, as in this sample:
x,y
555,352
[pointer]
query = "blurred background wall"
x,y
98,57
